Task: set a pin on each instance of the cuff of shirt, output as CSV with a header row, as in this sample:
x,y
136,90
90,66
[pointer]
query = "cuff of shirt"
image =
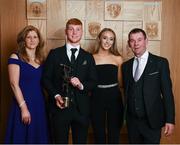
x,y
57,95
81,87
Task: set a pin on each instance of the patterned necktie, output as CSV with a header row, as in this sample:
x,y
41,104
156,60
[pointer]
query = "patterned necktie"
x,y
137,70
73,50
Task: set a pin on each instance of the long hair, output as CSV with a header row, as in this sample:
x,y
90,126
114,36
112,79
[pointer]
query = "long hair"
x,y
39,56
113,49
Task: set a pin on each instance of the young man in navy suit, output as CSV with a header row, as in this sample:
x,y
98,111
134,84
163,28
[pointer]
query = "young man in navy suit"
x,y
148,92
78,66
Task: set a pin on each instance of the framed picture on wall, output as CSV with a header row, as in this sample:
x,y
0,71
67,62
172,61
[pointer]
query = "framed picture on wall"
x,y
36,9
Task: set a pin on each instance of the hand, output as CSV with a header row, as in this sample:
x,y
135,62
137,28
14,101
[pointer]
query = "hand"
x,y
76,83
59,102
25,115
168,129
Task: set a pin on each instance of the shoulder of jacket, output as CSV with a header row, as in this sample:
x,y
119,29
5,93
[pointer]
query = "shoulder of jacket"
x,y
128,61
85,52
157,57
57,50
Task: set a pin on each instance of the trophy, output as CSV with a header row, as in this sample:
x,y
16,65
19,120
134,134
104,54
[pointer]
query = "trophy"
x,y
66,84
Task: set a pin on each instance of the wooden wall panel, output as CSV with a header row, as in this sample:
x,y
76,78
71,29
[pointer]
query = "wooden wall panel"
x,y
170,48
56,18
94,10
13,20
75,9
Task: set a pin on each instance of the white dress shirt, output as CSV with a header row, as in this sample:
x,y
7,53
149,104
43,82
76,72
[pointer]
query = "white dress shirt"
x,y
142,62
68,50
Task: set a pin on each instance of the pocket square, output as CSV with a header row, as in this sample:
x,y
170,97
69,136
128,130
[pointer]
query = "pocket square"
x,y
153,73
84,62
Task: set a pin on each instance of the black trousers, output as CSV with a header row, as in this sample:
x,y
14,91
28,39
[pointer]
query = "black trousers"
x,y
62,120
139,131
107,115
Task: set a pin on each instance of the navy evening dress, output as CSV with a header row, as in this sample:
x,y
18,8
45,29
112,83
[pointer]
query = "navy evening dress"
x,y
37,130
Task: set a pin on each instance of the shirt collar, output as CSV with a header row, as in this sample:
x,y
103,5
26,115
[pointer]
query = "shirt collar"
x,y
144,56
69,46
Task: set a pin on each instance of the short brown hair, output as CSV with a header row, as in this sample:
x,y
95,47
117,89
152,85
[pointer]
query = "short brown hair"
x,y
137,30
73,21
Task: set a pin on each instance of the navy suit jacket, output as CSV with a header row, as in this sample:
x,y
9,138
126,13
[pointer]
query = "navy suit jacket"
x,y
157,90
52,77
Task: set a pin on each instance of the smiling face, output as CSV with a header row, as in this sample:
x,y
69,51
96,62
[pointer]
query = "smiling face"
x,y
107,40
74,34
31,40
137,42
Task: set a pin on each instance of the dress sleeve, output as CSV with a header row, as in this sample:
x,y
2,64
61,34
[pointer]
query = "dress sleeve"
x,y
13,61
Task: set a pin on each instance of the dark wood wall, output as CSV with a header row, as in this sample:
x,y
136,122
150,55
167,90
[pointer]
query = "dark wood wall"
x,y
13,18
170,48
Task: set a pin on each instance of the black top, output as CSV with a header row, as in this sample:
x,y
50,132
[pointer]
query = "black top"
x,y
107,74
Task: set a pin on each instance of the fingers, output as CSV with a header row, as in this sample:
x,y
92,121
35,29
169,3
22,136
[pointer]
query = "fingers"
x,y
76,82
165,131
25,115
59,102
169,128
26,118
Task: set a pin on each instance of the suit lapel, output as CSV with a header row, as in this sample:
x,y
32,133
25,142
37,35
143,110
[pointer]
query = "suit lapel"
x,y
130,68
64,56
78,62
80,57
149,64
129,74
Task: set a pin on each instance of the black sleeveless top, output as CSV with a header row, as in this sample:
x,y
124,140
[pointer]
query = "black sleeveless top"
x,y
107,74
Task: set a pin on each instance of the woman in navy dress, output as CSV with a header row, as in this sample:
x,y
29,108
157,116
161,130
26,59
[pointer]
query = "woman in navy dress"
x,y
27,121
107,106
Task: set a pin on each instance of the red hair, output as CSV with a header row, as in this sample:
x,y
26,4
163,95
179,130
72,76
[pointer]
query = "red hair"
x,y
73,21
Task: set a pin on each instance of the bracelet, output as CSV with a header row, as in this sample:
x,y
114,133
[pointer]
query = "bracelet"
x,y
22,103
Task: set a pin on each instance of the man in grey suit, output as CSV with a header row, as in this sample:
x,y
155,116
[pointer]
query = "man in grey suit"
x,y
148,92
69,71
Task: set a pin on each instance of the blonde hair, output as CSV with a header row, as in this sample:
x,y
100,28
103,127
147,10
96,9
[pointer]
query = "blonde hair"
x,y
113,49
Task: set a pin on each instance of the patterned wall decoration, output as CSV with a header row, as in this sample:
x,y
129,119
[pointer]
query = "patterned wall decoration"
x,y
36,9
50,17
